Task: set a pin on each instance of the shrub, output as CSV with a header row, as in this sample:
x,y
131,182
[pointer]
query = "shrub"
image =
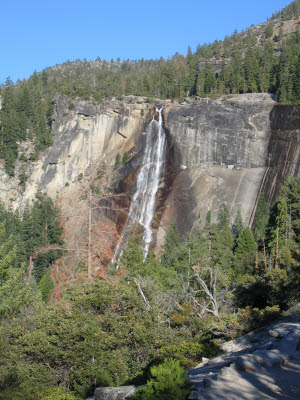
x,y
32,391
125,158
190,353
168,382
80,176
23,157
22,178
45,286
55,393
253,318
118,160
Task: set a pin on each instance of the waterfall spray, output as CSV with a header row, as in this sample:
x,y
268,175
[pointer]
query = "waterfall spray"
x,y
142,207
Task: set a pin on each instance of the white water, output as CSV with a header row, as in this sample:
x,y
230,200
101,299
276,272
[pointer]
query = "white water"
x,y
143,202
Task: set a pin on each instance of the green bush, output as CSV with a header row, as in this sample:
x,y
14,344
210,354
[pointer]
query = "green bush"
x,y
168,382
118,160
23,157
31,391
190,353
80,176
55,393
253,318
23,178
125,158
45,286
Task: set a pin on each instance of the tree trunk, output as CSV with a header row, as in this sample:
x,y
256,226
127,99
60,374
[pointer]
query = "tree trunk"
x,y
265,257
30,269
276,257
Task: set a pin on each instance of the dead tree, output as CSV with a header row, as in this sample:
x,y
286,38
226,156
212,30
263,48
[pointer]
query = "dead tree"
x,y
90,234
209,301
138,281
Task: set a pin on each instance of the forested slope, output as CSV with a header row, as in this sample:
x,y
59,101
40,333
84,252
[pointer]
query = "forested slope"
x,y
265,58
62,338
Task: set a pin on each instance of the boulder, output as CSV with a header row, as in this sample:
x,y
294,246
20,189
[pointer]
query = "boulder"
x,y
114,393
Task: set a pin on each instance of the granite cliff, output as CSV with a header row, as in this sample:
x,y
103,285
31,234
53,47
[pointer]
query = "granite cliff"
x,y
225,150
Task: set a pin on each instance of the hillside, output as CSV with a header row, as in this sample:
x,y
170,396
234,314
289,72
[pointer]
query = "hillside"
x,y
265,58
150,213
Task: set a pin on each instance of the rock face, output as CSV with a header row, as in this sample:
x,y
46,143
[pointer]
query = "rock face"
x,y
220,132
114,393
264,364
226,150
83,133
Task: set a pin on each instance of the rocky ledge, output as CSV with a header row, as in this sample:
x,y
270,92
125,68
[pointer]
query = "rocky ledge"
x,y
265,364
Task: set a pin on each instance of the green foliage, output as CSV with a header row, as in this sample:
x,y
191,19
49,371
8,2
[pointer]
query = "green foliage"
x,y
7,255
45,286
254,318
251,65
264,290
261,219
98,334
125,158
245,252
269,29
284,224
171,246
189,353
246,243
22,178
223,217
101,333
23,157
25,114
238,227
39,227
15,294
168,381
118,158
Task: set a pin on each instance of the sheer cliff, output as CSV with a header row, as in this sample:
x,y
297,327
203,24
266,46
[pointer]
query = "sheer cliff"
x,y
226,150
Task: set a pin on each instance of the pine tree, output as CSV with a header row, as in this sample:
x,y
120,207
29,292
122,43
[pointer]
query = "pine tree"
x,y
245,252
45,286
269,30
238,227
223,217
171,246
7,254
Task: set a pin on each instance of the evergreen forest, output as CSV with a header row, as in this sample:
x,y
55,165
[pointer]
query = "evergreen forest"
x,y
260,59
156,316
65,331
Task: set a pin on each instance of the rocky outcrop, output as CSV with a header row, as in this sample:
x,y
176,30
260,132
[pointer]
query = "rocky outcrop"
x,y
114,393
228,150
283,149
264,364
219,151
228,132
83,133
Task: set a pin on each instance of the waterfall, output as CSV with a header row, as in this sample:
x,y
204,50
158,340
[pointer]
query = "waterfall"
x,y
143,202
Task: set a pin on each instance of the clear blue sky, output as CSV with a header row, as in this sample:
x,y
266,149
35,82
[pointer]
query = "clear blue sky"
x,y
39,33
